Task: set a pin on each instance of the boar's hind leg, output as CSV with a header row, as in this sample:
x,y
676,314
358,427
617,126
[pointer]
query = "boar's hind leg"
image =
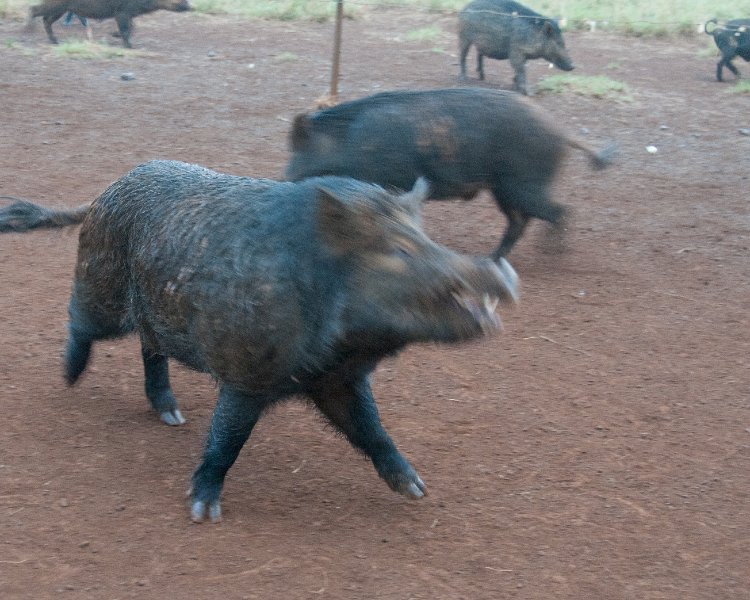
x,y
234,417
49,18
89,322
350,406
520,203
726,61
158,390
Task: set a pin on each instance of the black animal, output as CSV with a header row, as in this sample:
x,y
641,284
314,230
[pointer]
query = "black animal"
x,y
461,140
733,39
275,289
503,29
123,11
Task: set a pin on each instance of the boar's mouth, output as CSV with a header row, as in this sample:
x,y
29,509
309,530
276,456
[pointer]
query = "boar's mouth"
x,y
497,282
482,312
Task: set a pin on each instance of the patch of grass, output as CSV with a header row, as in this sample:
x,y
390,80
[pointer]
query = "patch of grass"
x,y
17,46
635,17
423,34
280,10
594,86
87,50
741,87
13,8
285,57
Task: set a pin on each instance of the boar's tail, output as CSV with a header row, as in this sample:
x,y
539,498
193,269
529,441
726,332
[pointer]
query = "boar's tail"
x,y
23,215
599,158
711,31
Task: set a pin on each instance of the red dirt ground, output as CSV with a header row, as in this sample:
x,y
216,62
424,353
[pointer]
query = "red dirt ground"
x,y
598,449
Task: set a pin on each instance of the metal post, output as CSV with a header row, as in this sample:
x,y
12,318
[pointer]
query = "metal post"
x,y
336,51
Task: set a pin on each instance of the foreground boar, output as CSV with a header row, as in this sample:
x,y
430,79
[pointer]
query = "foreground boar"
x,y
274,289
732,39
504,29
461,140
123,11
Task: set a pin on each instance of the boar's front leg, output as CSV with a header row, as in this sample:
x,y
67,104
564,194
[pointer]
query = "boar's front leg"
x,y
234,417
125,26
350,406
518,62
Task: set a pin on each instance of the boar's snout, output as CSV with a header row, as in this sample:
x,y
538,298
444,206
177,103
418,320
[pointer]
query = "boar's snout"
x,y
565,65
485,284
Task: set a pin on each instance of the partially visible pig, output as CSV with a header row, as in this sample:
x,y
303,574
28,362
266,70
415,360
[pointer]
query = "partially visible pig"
x,y
505,29
275,289
461,140
732,39
123,11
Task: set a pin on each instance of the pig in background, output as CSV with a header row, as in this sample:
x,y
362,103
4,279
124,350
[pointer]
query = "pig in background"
x,y
123,11
461,140
732,39
503,29
275,289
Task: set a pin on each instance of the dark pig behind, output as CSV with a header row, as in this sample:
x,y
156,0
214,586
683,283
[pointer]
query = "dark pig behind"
x,y
123,11
732,39
275,289
461,140
503,29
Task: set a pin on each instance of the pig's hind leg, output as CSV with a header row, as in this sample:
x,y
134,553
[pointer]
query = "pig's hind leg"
x,y
53,14
522,201
350,406
91,318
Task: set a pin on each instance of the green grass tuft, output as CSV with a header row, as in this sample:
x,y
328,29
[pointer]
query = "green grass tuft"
x,y
87,50
285,57
594,86
424,34
741,87
635,17
280,10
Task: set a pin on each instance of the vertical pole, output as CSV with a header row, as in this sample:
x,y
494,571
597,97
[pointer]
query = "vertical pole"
x,y
336,50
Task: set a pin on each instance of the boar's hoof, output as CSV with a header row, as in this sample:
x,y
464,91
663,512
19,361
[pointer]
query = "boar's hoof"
x,y
408,484
200,509
172,417
415,490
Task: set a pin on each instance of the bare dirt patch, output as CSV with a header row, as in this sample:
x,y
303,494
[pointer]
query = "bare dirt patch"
x,y
599,449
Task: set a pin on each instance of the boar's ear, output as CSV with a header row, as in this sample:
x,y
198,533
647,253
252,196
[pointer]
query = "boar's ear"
x,y
413,200
548,28
346,226
299,137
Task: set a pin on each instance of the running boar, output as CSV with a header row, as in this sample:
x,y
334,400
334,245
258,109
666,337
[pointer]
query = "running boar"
x,y
123,11
275,289
461,140
732,39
